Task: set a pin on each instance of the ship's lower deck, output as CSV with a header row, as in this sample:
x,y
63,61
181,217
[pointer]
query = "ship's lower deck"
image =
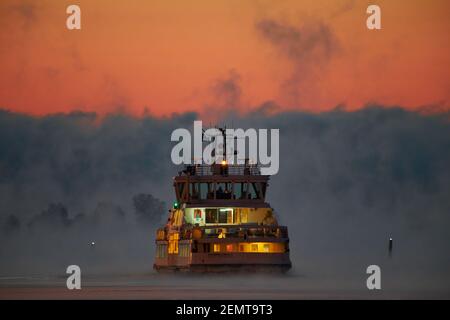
x,y
223,255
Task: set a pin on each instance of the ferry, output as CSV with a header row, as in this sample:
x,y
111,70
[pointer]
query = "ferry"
x,y
221,222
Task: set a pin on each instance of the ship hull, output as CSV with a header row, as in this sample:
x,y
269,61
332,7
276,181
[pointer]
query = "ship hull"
x,y
225,262
225,268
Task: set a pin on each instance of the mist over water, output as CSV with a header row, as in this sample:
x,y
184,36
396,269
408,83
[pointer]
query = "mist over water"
x,y
348,181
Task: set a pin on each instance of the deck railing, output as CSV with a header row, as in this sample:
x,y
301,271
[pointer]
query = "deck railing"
x,y
218,169
227,231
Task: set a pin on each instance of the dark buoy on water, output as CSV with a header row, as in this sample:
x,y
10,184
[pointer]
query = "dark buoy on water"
x,y
390,247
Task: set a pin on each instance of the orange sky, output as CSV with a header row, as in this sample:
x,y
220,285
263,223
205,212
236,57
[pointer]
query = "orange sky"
x,y
173,56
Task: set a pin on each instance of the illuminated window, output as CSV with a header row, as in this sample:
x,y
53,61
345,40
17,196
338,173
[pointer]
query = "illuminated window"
x,y
229,248
211,215
262,247
244,216
173,243
223,216
216,247
226,215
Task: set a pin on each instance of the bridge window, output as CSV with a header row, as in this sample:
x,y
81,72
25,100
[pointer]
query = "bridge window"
x,y
180,189
223,190
254,190
245,191
240,190
205,190
201,191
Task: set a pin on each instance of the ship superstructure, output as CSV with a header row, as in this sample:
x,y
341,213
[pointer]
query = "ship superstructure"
x,y
221,222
